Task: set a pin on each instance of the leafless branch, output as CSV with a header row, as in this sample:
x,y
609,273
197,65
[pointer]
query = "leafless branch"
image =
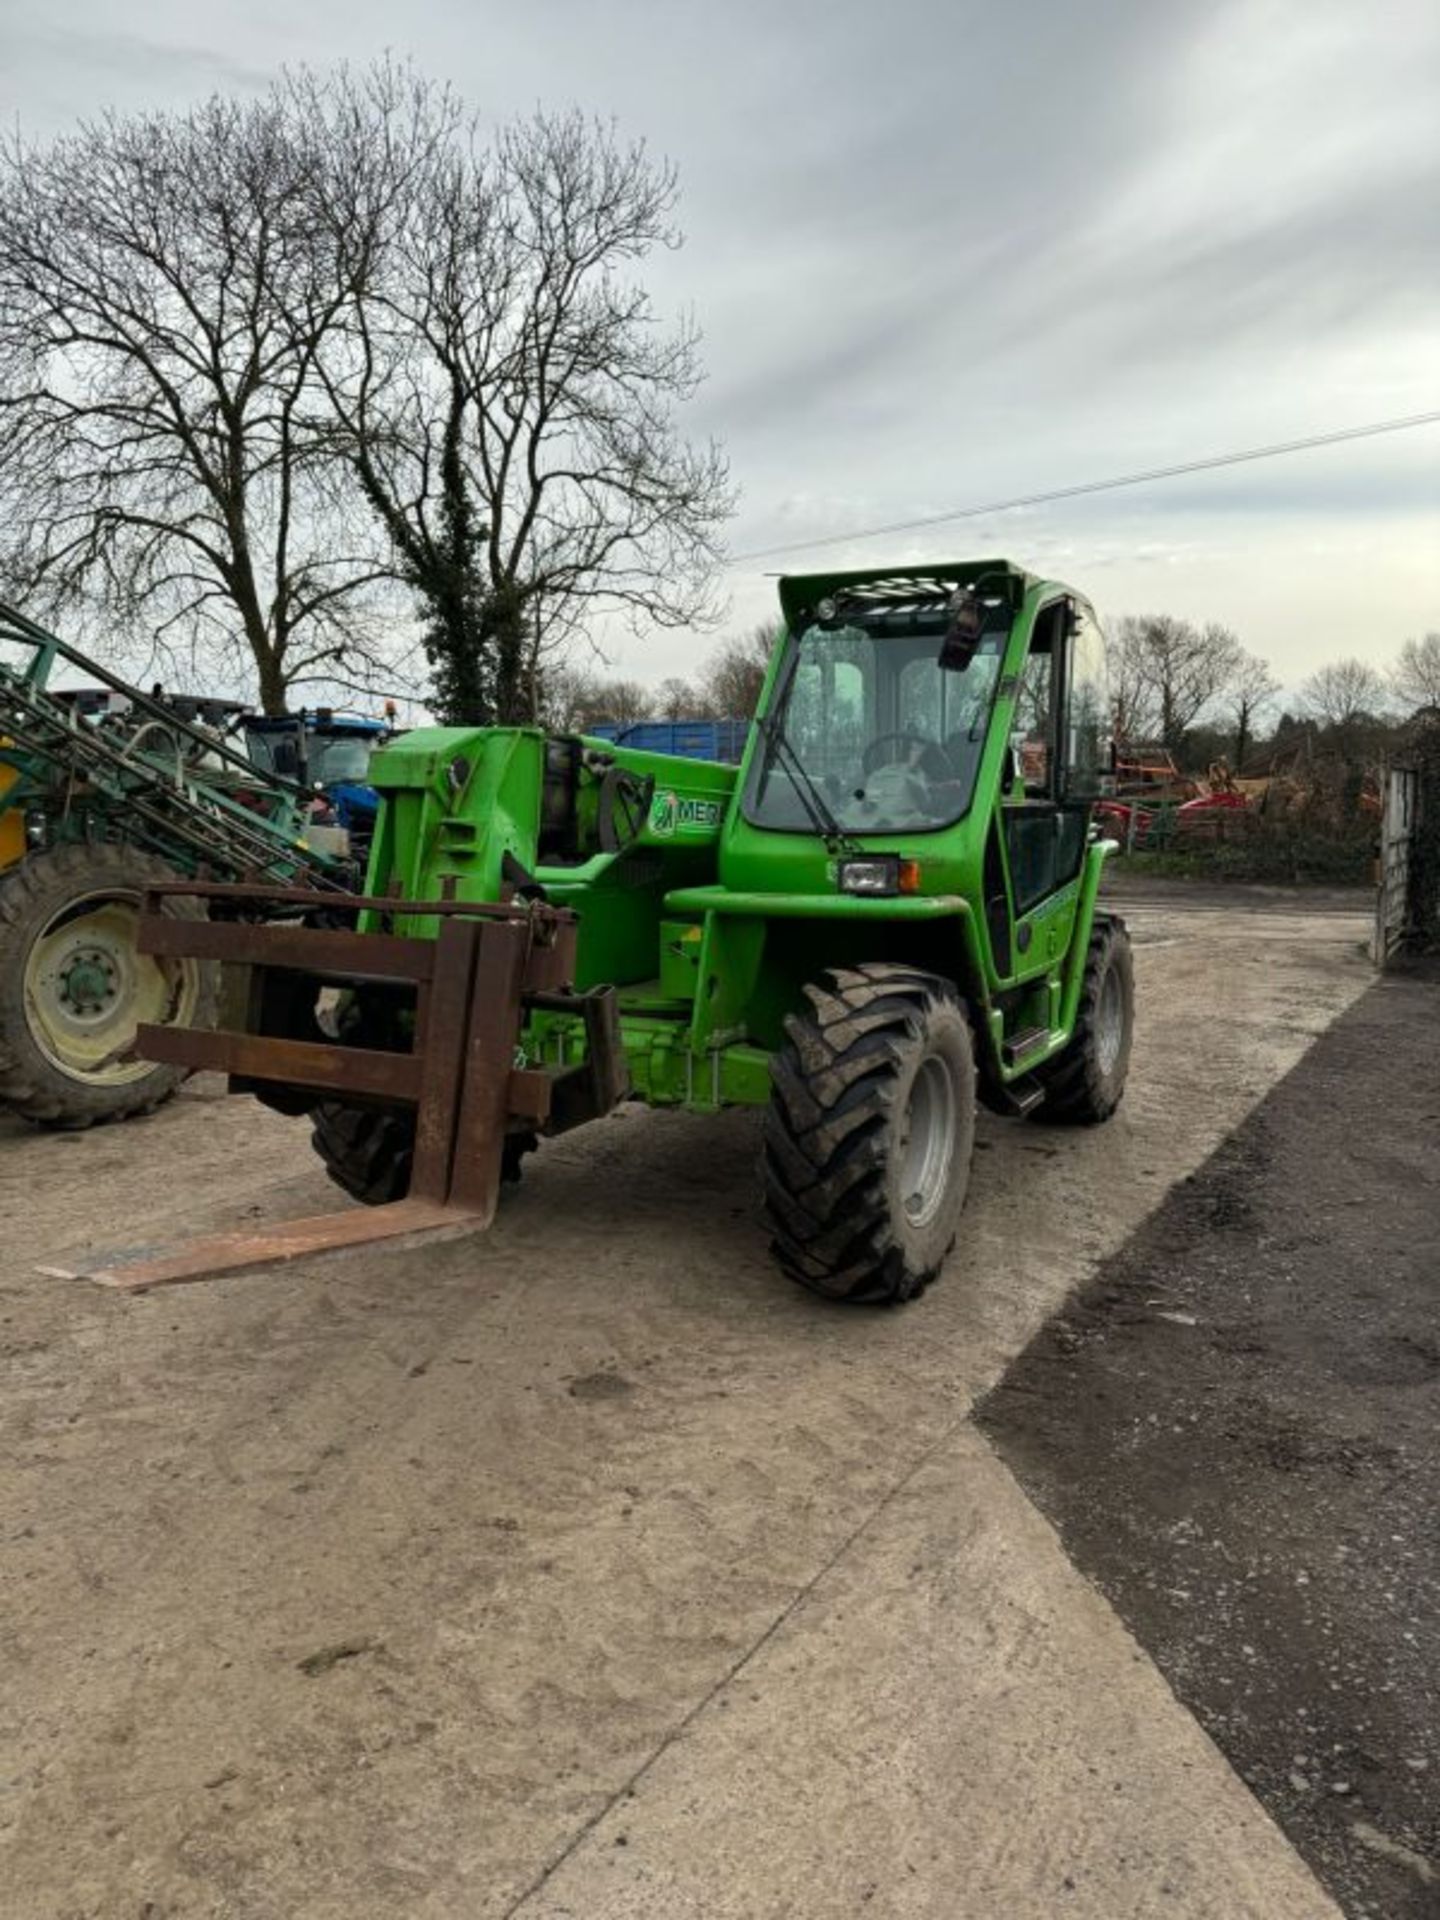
x,y
161,466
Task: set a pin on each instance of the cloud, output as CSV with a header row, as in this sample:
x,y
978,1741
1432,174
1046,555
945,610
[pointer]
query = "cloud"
x,y
48,65
944,251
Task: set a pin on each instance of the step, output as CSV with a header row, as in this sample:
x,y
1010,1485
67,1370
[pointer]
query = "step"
x,y
1014,1048
1026,1094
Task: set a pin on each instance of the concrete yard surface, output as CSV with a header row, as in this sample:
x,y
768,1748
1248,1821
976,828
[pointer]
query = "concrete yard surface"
x,y
587,1567
951,1724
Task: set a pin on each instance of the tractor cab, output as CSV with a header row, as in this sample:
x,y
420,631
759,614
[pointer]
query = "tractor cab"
x,y
328,753
316,747
931,735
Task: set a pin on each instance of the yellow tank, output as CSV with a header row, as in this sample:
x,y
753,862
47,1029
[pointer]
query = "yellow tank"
x,y
12,823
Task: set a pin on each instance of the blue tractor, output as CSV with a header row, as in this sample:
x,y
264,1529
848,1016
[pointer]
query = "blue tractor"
x,y
328,753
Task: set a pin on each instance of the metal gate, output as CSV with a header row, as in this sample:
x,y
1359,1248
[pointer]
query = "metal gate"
x,y
1393,906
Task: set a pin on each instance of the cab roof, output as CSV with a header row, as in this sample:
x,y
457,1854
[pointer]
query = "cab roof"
x,y
799,592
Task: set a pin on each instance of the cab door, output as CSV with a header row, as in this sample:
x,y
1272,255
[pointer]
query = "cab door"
x,y
1061,724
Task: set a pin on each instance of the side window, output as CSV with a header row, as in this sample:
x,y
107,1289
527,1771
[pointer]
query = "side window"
x,y
1087,717
1034,737
1033,722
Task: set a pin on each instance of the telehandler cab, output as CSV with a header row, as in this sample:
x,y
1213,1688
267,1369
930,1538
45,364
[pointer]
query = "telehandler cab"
x,y
885,913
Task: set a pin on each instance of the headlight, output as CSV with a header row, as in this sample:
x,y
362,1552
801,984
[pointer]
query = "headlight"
x,y
875,876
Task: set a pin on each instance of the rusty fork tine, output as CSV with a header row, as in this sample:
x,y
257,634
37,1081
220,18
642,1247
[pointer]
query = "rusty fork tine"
x,y
459,1075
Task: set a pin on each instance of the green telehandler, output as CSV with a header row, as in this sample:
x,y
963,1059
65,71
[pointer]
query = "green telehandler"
x,y
886,914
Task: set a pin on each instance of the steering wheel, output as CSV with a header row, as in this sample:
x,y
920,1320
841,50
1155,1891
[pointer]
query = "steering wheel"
x,y
878,754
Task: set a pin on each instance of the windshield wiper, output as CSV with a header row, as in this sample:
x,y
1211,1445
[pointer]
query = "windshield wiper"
x,y
821,818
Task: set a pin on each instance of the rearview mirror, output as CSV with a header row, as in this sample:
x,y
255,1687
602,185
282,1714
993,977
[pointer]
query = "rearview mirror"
x,y
964,624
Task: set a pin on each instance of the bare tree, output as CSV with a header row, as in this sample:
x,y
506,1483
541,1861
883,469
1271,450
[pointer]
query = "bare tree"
x,y
563,692
504,390
1134,713
1252,687
161,313
676,699
1344,692
620,703
1171,672
736,671
1416,675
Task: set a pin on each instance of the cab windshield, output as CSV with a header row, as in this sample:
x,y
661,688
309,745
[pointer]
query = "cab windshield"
x,y
341,757
888,739
329,758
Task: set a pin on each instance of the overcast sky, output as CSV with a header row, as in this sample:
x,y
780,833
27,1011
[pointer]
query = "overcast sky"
x,y
944,253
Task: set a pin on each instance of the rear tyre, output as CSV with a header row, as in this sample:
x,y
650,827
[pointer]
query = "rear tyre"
x,y
370,1153
1086,1083
73,989
869,1134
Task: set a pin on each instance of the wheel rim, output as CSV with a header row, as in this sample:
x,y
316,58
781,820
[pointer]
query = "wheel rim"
x,y
1109,1021
87,989
927,1141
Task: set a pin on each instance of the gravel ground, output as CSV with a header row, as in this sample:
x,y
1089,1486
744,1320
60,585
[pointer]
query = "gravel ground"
x,y
1236,1428
407,1583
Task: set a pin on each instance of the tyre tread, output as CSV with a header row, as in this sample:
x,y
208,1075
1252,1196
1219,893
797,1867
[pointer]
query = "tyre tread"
x,y
1076,1091
825,1132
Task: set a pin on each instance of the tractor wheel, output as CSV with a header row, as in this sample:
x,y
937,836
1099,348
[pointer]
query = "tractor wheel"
x,y
368,1151
1084,1084
73,989
869,1133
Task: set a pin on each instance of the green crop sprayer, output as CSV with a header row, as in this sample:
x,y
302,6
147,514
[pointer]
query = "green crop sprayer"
x,y
105,790
885,914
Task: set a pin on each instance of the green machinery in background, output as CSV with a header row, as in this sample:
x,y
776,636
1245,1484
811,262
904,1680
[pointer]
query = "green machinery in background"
x,y
103,792
886,913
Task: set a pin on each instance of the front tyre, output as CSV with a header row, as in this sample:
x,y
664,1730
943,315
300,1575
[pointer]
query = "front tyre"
x,y
370,1152
1084,1084
869,1134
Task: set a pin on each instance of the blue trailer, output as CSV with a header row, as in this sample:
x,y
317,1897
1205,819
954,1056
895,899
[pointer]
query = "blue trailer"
x,y
722,740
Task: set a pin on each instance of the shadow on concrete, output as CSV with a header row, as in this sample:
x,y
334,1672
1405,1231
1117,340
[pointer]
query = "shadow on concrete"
x,y
1236,1430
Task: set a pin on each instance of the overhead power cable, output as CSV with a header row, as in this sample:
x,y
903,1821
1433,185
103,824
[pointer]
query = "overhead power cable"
x,y
1206,465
